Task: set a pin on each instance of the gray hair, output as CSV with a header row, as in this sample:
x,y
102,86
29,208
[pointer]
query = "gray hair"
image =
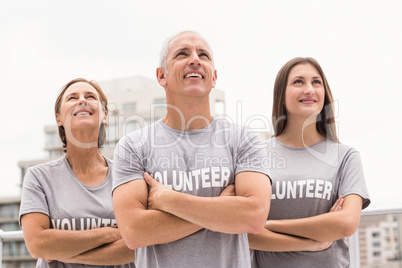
x,y
165,50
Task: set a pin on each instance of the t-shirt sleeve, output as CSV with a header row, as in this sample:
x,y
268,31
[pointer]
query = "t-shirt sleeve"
x,y
127,162
251,154
352,177
33,197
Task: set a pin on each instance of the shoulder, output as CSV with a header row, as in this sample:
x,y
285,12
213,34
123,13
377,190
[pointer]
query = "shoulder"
x,y
45,171
140,137
48,166
340,154
223,126
343,150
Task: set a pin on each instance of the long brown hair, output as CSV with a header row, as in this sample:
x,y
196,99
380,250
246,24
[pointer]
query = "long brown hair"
x,y
103,100
325,123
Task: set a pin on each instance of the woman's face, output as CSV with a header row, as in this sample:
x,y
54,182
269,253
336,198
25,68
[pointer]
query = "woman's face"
x,y
305,91
80,108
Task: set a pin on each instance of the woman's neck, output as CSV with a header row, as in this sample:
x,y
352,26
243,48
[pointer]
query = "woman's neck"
x,y
82,160
300,133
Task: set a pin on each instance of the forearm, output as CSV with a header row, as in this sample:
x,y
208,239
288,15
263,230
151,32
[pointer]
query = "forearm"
x,y
244,213
271,241
116,253
228,214
325,227
151,227
60,244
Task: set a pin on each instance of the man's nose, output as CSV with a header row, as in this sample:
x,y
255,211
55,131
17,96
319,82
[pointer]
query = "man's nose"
x,y
194,60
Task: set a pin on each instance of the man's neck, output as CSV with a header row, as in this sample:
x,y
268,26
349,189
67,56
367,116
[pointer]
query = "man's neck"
x,y
188,115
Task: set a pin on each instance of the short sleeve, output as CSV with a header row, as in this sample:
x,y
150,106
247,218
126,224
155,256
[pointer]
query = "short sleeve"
x,y
33,198
127,163
251,154
352,177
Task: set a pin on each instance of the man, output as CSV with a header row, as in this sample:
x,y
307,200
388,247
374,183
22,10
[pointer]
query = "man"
x,y
187,219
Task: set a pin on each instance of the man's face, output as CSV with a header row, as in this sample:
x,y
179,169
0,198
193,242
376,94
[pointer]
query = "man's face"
x,y
190,69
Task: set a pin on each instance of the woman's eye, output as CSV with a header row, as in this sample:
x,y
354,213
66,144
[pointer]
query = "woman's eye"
x,y
317,82
298,81
181,54
71,98
90,96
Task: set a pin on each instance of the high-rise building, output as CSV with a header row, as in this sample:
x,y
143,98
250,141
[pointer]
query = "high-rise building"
x,y
379,239
15,253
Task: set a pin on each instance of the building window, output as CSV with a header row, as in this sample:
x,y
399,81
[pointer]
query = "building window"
x,y
8,211
10,249
51,139
23,249
8,227
376,244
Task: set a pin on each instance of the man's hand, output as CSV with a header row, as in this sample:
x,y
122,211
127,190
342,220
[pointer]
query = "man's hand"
x,y
156,192
229,191
338,205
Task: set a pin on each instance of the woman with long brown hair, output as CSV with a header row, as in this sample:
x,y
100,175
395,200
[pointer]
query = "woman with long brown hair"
x,y
318,188
66,209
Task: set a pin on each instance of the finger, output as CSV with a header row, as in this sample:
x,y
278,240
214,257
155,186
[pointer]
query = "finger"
x,y
229,191
341,202
149,180
339,206
335,205
338,203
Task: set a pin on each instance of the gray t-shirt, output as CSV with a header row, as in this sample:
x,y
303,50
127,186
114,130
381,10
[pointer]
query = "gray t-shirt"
x,y
54,190
201,162
306,182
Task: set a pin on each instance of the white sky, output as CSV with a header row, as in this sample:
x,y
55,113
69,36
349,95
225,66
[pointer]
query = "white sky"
x,y
44,44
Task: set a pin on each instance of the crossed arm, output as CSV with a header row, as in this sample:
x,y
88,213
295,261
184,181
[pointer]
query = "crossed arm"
x,y
165,215
102,246
312,233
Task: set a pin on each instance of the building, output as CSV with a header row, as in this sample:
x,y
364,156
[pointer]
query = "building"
x,y
379,240
134,102
15,253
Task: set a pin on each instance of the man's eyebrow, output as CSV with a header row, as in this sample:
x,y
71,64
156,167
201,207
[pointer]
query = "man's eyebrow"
x,y
204,50
180,49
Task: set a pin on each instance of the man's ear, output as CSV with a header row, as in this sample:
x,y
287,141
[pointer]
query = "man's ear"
x,y
215,76
161,76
